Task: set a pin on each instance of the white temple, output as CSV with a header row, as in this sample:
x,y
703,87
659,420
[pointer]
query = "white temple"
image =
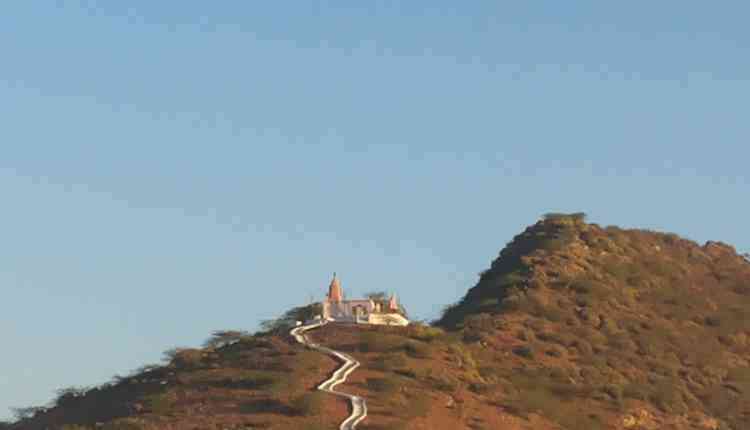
x,y
361,311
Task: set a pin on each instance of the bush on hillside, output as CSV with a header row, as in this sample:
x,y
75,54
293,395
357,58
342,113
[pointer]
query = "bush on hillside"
x,y
265,405
146,368
67,396
289,319
423,332
121,425
383,385
308,404
221,338
573,217
419,406
373,341
316,426
158,403
524,351
389,362
184,358
417,350
27,412
442,383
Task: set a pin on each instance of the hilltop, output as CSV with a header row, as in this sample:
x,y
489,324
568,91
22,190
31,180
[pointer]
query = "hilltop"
x,y
573,326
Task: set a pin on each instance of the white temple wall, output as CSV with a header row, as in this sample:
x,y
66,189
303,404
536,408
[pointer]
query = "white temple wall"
x,y
345,311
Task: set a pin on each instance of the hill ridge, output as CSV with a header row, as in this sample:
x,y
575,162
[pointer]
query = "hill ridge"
x,y
572,326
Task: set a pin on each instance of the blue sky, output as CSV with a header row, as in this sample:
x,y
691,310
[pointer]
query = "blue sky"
x,y
166,172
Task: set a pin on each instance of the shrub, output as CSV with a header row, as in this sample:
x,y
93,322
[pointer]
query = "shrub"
x,y
146,368
553,314
582,286
554,337
524,351
742,288
265,405
121,425
524,334
290,318
185,358
476,327
667,396
491,373
423,332
575,217
235,378
417,350
463,356
371,341
308,404
419,406
67,396
158,403
27,412
615,392
409,373
532,401
556,244
479,388
221,338
442,383
383,385
713,321
636,391
389,362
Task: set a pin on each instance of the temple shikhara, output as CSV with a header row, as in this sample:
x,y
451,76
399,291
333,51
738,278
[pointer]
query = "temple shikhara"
x,y
362,311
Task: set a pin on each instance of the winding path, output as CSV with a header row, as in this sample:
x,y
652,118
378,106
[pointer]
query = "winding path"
x,y
359,407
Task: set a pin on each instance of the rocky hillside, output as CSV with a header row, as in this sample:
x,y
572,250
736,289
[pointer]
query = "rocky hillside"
x,y
573,327
627,328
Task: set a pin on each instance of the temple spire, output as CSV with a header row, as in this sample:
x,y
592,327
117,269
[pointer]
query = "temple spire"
x,y
335,292
393,303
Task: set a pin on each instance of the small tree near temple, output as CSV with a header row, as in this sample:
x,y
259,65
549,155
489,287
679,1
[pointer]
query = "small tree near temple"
x,y
222,338
557,216
290,318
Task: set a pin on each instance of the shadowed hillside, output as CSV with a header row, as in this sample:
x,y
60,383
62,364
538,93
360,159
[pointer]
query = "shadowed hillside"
x,y
573,326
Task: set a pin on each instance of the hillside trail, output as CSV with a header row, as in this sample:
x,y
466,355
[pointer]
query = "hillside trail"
x,y
358,404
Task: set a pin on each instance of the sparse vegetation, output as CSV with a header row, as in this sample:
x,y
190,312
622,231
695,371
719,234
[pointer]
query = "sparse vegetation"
x,y
222,338
282,324
308,404
640,306
383,385
576,325
577,217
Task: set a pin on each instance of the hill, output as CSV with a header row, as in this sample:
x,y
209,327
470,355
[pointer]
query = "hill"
x,y
573,326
